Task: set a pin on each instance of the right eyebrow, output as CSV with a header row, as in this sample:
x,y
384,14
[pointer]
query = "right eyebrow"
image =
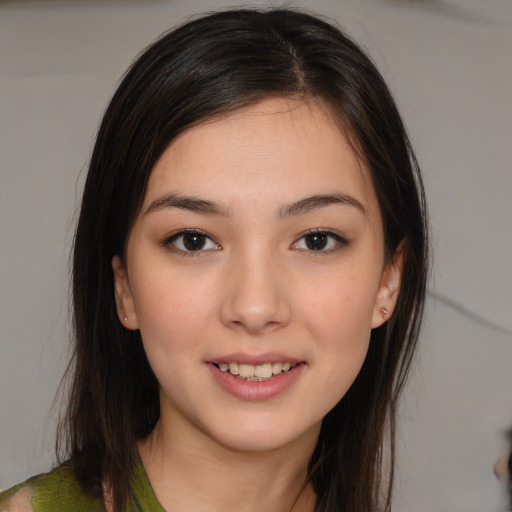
x,y
190,203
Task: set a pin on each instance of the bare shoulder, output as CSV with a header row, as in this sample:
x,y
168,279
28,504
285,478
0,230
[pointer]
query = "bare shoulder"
x,y
17,501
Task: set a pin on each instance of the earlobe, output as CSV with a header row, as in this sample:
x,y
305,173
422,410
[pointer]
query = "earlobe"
x,y
389,288
123,295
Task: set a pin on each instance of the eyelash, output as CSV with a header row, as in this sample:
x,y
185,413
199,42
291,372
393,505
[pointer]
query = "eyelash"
x,y
334,240
170,242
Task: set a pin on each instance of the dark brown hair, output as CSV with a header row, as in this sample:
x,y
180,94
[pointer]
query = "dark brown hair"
x,y
210,67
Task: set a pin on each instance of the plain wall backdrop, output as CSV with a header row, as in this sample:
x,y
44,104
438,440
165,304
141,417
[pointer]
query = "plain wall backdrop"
x,y
449,66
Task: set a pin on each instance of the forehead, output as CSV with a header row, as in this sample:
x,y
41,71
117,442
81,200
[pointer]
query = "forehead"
x,y
278,149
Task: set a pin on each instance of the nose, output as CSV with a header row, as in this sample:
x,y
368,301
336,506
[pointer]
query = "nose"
x,y
255,295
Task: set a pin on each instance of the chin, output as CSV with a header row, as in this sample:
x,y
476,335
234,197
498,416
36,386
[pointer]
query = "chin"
x,y
265,437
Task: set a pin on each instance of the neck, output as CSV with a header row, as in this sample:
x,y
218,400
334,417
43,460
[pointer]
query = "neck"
x,y
195,473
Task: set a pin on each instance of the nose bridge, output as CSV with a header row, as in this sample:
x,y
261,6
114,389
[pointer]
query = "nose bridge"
x,y
255,297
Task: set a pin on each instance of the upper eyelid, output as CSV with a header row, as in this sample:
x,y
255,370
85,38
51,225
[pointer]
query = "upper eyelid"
x,y
326,231
185,231
342,240
169,240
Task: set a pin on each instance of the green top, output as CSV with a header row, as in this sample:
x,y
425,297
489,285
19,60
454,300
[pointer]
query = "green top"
x,y
59,491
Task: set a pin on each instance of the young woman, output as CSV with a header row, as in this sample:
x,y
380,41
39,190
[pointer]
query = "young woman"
x,y
248,280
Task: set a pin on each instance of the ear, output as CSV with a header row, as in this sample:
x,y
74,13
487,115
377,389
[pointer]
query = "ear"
x,y
389,288
123,294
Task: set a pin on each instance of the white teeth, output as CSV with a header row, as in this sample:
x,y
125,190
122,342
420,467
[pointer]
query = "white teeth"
x,y
246,370
277,368
257,372
263,370
233,368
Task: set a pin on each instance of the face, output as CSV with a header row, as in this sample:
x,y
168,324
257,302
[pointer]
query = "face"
x,y
255,272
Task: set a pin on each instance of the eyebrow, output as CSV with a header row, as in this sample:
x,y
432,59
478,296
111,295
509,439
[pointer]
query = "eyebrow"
x,y
206,207
320,201
192,204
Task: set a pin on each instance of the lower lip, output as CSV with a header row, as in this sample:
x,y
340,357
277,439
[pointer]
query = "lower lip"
x,y
256,390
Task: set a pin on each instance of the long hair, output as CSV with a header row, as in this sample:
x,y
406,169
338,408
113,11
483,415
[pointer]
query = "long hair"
x,y
206,69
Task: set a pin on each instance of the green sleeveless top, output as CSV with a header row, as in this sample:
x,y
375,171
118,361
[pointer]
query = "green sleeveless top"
x,y
58,491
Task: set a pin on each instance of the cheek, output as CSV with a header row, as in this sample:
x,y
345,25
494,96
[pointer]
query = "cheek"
x,y
341,302
173,309
339,320
172,321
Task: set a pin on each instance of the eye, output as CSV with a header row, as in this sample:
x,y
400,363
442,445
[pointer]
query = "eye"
x,y
319,241
192,240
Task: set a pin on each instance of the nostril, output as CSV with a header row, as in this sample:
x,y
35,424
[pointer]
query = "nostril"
x,y
253,300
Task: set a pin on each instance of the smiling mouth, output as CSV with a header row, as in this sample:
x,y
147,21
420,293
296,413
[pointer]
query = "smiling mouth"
x,y
256,373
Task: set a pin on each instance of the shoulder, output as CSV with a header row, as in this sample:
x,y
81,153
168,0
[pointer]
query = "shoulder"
x,y
16,499
56,491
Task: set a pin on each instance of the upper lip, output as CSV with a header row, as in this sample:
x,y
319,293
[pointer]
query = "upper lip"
x,y
255,359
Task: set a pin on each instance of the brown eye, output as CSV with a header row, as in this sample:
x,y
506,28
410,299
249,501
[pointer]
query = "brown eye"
x,y
191,241
316,241
194,241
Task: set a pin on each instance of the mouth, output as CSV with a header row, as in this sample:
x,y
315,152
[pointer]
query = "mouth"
x,y
256,377
255,373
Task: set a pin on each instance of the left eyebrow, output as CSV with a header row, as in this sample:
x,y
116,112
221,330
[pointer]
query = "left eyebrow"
x,y
320,201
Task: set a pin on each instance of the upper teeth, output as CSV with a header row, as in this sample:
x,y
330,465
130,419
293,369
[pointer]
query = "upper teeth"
x,y
263,371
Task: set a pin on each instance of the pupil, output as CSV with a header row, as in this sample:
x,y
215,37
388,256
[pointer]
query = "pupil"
x,y
194,241
316,241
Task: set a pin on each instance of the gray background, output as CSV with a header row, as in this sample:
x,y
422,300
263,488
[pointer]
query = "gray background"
x,y
449,65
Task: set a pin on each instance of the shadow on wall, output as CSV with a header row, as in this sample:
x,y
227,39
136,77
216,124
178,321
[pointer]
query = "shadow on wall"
x,y
75,3
452,10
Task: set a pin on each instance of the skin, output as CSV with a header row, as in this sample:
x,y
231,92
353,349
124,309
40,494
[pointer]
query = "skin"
x,y
501,467
256,287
